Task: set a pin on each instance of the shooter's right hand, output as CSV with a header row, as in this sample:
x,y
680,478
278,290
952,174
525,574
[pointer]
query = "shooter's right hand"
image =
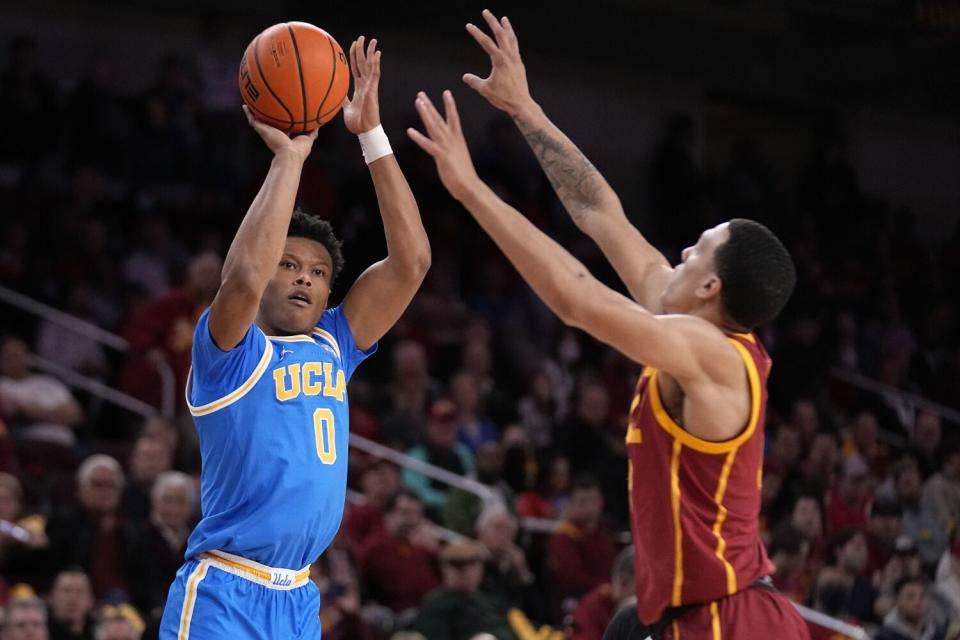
x,y
279,142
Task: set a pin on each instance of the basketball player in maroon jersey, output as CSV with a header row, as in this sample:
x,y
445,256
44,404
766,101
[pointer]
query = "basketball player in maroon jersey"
x,y
696,425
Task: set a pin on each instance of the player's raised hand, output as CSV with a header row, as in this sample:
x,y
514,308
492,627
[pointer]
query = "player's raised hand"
x,y
444,141
506,86
362,112
278,141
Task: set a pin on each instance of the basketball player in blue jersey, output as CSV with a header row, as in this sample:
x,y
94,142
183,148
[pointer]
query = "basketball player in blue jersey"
x,y
268,388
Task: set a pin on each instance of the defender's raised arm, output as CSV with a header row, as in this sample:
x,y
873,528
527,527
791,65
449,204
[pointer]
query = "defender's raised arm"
x,y
593,205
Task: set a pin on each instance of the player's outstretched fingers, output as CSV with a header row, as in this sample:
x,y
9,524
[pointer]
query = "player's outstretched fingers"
x,y
495,27
453,117
371,48
483,40
354,66
431,118
422,141
510,36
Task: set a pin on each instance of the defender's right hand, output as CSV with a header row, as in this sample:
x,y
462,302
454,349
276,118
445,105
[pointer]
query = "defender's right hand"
x,y
506,86
279,142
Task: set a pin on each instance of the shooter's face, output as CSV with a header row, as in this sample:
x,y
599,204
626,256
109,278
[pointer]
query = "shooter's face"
x,y
695,280
297,295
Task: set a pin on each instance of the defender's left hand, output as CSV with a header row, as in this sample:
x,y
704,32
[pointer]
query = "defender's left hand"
x,y
362,112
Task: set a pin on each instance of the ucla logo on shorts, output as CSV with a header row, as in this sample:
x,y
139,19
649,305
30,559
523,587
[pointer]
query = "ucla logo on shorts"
x,y
282,580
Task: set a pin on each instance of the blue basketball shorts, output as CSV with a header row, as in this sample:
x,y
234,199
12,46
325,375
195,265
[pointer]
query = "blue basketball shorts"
x,y
219,596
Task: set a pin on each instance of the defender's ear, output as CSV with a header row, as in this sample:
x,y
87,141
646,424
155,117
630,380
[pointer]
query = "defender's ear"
x,y
709,288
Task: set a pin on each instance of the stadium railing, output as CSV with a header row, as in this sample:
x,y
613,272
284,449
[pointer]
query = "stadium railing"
x,y
79,326
489,497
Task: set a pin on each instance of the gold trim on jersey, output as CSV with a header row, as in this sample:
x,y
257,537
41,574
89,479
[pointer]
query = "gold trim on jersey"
x,y
297,338
721,518
328,337
241,391
675,600
698,444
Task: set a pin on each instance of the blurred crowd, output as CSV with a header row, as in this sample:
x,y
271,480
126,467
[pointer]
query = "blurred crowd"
x,y
118,209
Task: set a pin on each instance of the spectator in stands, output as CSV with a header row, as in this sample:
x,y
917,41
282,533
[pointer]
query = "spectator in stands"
x,y
476,359
399,562
789,551
784,460
581,551
21,553
864,438
71,603
24,619
919,522
91,534
160,331
883,527
830,598
842,590
941,493
847,504
594,446
597,608
68,348
379,481
149,458
463,507
807,517
910,619
906,563
116,629
820,466
440,448
474,428
925,442
11,510
157,544
458,609
506,573
948,577
38,406
552,494
409,395
538,409
340,614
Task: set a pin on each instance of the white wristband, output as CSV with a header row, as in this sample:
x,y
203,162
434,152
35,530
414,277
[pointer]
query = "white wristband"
x,y
374,144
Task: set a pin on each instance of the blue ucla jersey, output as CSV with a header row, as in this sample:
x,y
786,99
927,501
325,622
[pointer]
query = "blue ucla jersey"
x,y
272,417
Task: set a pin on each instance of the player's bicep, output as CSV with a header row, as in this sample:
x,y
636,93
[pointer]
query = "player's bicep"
x,y
377,300
674,344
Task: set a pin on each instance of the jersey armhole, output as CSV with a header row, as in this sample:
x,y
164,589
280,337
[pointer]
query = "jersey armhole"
x,y
669,425
237,393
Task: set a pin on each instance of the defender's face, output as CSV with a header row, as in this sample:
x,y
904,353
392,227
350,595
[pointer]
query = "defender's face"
x,y
692,278
297,295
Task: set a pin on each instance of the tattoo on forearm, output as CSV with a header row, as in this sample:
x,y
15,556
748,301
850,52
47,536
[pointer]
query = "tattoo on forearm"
x,y
577,182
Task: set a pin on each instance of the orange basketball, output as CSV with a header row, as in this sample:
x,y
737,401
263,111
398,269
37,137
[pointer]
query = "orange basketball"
x,y
294,76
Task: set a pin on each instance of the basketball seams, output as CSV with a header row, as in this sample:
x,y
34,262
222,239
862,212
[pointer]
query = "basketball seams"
x,y
303,87
263,77
333,76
